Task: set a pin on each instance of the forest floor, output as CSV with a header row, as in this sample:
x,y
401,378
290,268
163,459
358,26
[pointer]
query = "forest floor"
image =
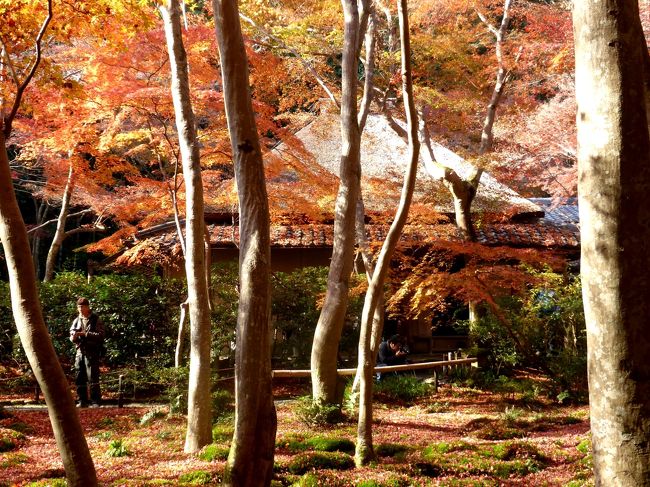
x,y
453,437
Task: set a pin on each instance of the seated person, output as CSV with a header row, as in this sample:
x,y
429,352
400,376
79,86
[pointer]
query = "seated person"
x,y
391,352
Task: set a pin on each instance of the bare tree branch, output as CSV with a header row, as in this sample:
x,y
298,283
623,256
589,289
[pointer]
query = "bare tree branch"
x,y
8,120
307,65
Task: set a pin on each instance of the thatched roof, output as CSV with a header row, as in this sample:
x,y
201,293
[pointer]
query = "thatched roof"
x,y
384,157
522,222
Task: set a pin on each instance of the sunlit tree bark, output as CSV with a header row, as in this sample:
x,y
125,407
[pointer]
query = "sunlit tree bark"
x,y
330,323
199,407
251,453
613,186
364,447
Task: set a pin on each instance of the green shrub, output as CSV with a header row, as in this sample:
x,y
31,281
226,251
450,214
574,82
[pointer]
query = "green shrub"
x,y
117,448
307,461
198,477
211,453
223,403
315,414
406,388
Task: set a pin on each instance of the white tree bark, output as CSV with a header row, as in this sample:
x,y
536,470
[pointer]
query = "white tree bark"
x,y
199,409
364,447
59,234
613,185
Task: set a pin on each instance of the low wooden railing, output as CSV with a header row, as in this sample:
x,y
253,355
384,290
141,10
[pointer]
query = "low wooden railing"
x,y
383,369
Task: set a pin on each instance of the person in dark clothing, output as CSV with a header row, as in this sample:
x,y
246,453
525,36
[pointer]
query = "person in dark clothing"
x,y
87,333
391,352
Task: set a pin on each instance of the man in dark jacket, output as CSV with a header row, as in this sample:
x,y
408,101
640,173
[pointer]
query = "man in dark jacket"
x,y
87,333
391,352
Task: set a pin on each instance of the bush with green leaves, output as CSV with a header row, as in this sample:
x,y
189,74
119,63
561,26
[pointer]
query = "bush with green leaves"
x,y
223,404
139,312
407,388
117,448
545,328
314,413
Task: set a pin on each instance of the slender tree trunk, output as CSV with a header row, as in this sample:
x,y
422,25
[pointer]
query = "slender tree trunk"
x,y
251,453
34,336
613,186
364,447
180,338
199,410
330,323
59,235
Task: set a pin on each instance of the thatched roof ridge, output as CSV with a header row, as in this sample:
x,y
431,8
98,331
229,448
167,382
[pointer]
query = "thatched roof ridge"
x,y
384,157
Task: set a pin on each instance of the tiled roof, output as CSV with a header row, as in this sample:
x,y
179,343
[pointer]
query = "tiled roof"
x,y
562,213
165,249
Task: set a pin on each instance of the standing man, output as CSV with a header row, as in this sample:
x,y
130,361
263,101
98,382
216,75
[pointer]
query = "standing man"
x,y
87,333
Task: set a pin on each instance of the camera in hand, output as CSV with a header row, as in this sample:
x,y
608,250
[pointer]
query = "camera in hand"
x,y
405,349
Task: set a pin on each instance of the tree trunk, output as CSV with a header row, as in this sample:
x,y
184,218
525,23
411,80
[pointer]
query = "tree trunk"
x,y
34,336
613,186
364,448
199,410
180,338
59,235
330,323
251,454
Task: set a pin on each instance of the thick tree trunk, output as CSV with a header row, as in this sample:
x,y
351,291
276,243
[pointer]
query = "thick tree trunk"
x,y
364,447
613,186
199,410
330,323
35,339
59,234
251,453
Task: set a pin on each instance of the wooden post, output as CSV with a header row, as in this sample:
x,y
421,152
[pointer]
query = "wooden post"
x,y
435,381
120,392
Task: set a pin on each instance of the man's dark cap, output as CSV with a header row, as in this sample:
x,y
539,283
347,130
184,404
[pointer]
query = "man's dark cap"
x,y
395,339
83,302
